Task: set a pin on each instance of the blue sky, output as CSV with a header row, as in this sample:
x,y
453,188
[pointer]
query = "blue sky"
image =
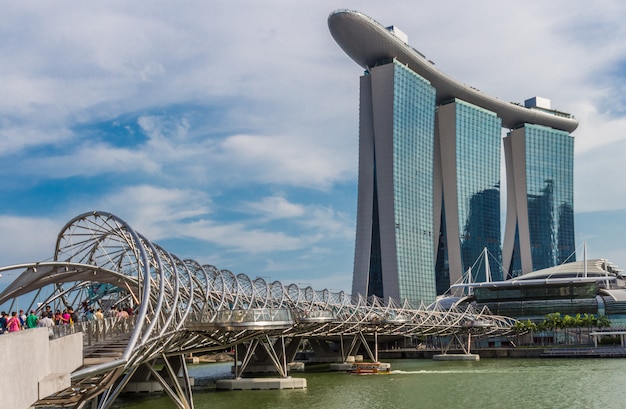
x,y
227,131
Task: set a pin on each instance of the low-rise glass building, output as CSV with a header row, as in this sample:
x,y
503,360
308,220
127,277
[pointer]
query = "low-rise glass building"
x,y
594,287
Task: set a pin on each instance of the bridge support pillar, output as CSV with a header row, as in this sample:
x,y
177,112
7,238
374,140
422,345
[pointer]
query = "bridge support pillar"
x,y
262,354
465,346
178,388
276,353
324,352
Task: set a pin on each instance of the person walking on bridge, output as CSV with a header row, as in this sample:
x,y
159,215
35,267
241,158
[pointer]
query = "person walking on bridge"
x,y
31,320
22,317
4,318
13,323
47,322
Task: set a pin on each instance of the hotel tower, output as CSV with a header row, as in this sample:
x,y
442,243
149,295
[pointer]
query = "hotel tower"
x,y
429,173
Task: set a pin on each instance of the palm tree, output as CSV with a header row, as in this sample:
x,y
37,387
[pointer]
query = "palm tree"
x,y
553,321
578,324
569,322
566,323
519,328
524,327
603,322
543,327
532,328
589,321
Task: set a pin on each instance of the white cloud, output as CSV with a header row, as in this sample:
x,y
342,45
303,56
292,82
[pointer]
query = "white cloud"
x,y
160,213
93,160
15,138
157,212
27,239
288,108
285,160
330,223
317,228
276,207
164,131
241,238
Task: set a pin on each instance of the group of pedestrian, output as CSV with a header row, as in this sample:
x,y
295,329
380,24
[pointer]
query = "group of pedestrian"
x,y
121,312
92,314
15,322
68,316
47,319
9,323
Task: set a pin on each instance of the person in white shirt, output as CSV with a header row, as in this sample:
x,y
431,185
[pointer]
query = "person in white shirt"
x,y
46,321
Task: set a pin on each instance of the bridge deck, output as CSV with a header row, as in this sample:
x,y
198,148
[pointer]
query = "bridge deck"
x,y
105,351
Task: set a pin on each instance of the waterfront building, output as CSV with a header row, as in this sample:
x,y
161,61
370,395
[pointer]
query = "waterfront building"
x,y
394,214
467,201
540,205
595,287
429,171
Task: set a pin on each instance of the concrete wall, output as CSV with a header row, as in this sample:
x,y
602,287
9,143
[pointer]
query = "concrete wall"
x,y
34,367
66,353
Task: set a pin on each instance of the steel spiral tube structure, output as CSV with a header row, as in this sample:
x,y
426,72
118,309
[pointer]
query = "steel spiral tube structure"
x,y
181,306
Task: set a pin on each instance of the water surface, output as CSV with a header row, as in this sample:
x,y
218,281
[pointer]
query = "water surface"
x,y
489,383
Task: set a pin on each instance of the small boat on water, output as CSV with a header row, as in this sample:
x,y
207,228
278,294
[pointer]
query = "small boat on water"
x,y
370,368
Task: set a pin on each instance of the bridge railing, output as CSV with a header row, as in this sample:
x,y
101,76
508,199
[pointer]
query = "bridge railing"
x,y
252,318
316,316
95,330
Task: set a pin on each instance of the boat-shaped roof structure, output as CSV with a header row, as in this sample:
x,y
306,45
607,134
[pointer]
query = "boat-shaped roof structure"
x,y
590,268
596,270
368,43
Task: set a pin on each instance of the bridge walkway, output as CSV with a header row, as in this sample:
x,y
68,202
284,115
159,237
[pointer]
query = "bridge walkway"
x,y
105,350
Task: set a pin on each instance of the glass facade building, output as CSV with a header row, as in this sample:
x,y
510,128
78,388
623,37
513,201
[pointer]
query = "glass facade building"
x,y
429,187
429,173
468,159
394,250
540,215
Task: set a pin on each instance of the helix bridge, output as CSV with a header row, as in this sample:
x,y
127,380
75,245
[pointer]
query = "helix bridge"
x,y
181,307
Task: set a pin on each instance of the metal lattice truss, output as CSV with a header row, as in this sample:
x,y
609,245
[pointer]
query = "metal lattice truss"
x,y
182,306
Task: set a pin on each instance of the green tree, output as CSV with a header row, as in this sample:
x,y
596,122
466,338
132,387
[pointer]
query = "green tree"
x,y
532,328
566,323
589,321
603,322
553,322
524,327
579,324
519,328
572,322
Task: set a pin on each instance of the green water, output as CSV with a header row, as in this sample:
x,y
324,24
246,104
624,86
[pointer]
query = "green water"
x,y
489,383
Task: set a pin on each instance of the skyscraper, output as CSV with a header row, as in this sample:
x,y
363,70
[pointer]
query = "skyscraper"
x,y
540,205
467,203
429,171
394,215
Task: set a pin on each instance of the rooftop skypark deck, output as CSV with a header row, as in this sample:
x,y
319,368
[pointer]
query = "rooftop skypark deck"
x,y
367,42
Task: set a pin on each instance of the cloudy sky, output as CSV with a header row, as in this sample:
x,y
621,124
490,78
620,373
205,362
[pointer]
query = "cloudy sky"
x,y
227,131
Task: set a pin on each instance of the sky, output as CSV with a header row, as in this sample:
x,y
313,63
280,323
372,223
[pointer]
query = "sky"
x,y
227,131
